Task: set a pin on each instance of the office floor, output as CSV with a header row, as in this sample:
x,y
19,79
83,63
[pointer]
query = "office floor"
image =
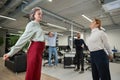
x,y
69,74
58,72
6,74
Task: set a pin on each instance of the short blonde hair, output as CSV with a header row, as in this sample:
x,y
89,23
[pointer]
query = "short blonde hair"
x,y
32,13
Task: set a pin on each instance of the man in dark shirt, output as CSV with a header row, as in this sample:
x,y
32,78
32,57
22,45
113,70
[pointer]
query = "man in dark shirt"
x,y
79,56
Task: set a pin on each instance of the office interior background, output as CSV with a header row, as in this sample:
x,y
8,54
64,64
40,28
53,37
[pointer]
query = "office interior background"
x,y
67,17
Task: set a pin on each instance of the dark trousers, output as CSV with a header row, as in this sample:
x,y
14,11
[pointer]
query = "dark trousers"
x,y
34,61
100,65
80,59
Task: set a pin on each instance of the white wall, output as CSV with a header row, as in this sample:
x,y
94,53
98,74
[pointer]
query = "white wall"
x,y
113,38
63,40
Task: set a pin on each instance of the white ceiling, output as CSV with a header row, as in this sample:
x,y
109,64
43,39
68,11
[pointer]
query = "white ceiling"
x,y
73,9
70,9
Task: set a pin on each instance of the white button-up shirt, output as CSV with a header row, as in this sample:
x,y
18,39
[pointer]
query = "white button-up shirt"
x,y
98,40
33,32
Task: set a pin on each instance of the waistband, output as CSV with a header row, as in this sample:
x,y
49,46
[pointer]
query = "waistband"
x,y
52,46
97,51
37,42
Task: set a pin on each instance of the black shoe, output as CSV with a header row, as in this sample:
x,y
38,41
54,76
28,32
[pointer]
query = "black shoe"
x,y
81,72
76,70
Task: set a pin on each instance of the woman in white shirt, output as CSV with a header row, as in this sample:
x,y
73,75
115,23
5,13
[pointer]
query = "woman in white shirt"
x,y
100,52
34,33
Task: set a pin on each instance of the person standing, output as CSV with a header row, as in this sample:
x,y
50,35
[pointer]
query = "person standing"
x,y
100,52
34,33
79,56
51,38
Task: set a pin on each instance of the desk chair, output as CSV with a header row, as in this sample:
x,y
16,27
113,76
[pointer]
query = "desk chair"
x,y
88,61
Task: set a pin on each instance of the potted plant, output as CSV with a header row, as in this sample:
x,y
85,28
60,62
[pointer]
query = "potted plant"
x,y
13,40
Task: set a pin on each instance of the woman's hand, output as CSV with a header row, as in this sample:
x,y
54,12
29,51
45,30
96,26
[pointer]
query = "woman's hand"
x,y
82,46
110,57
5,57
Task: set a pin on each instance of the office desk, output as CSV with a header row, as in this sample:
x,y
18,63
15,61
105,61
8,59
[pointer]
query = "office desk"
x,y
117,56
68,60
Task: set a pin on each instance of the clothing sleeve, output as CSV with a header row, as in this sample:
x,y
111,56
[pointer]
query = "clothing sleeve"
x,y
28,33
85,46
55,34
105,42
46,37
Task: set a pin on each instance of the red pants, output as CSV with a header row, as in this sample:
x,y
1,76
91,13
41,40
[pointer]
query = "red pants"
x,y
34,60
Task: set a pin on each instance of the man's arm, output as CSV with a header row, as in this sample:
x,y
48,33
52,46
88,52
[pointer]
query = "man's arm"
x,y
85,46
55,34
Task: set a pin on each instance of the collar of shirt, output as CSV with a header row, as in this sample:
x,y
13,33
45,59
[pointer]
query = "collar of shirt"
x,y
95,29
35,22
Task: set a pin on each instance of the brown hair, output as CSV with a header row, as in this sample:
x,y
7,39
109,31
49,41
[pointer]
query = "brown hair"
x,y
98,21
32,13
49,33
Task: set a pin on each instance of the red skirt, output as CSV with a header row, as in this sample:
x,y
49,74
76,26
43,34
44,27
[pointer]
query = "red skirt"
x,y
34,60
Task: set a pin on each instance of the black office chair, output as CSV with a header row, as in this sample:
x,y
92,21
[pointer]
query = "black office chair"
x,y
88,61
17,63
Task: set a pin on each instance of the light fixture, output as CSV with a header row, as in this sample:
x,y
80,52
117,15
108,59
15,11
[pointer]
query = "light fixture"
x,y
15,34
103,28
56,26
50,0
0,27
21,32
112,6
8,17
45,31
87,18
60,34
